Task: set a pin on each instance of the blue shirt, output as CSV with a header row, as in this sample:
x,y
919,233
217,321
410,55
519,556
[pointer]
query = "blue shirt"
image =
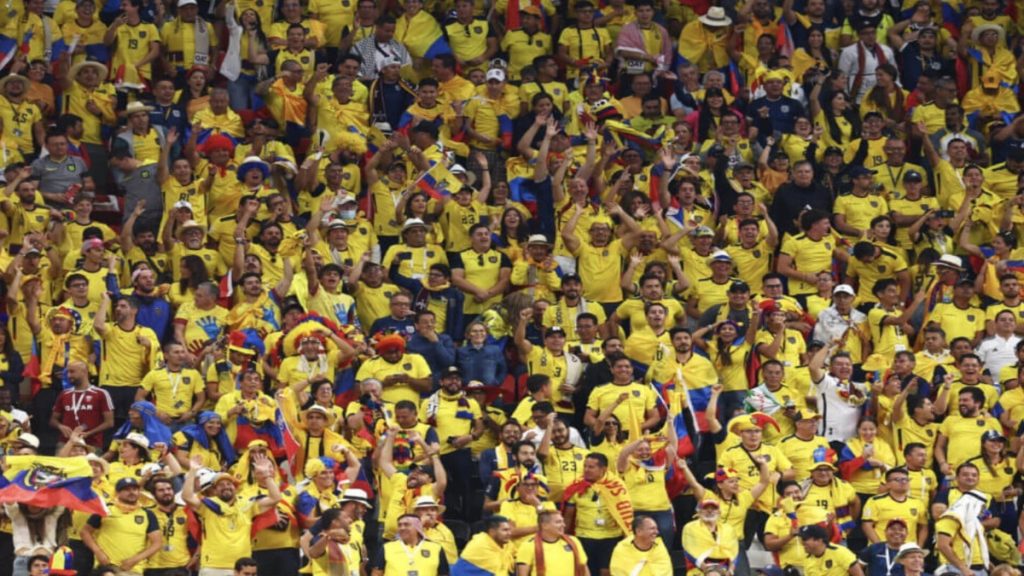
x,y
782,113
486,364
880,560
439,355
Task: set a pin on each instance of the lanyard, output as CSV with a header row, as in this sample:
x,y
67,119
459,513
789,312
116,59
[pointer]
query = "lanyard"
x,y
76,403
889,563
175,380
411,554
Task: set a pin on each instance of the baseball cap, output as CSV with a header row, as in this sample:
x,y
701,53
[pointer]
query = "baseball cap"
x,y
182,3
126,482
554,331
833,150
913,176
496,74
813,532
843,289
703,231
739,286
993,435
858,171
720,256
897,521
451,371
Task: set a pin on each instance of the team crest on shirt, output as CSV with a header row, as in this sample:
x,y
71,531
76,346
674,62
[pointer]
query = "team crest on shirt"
x,y
874,204
970,317
556,91
828,563
39,218
881,268
828,245
179,520
142,34
145,174
577,457
305,59
363,231
140,519
426,553
567,548
913,511
604,252
407,366
791,340
493,259
186,379
929,432
636,393
1008,470
784,108
71,168
981,422
757,253
478,29
430,253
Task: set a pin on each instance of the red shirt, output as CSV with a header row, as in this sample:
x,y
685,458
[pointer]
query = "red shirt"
x,y
84,408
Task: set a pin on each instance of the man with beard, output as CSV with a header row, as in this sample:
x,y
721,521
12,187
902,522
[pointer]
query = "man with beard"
x,y
697,370
458,421
502,484
568,308
266,250
717,542
355,504
562,459
957,441
173,556
25,215
226,519
503,456
139,240
256,309
130,352
129,534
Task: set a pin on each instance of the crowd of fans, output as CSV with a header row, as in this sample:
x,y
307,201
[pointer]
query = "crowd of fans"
x,y
528,287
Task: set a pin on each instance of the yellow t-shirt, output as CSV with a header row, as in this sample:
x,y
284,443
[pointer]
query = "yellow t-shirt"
x,y
201,326
600,268
124,533
453,417
556,554
630,413
173,391
222,523
412,365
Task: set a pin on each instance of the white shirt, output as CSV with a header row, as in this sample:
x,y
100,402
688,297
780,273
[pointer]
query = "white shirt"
x,y
536,434
839,415
849,63
996,353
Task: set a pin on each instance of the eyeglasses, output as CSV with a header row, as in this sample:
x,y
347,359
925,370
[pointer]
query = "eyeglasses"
x,y
903,480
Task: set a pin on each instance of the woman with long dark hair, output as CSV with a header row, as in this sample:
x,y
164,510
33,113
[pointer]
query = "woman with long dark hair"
x,y
196,94
705,120
728,351
193,273
833,111
252,59
886,97
816,55
512,233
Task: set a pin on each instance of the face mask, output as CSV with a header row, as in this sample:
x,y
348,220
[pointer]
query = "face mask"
x,y
347,214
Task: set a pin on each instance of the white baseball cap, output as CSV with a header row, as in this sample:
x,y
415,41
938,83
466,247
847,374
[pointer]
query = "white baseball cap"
x,y
186,3
843,289
495,74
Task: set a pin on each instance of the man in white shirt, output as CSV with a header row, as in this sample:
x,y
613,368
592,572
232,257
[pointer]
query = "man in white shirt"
x,y
840,400
1000,350
860,60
